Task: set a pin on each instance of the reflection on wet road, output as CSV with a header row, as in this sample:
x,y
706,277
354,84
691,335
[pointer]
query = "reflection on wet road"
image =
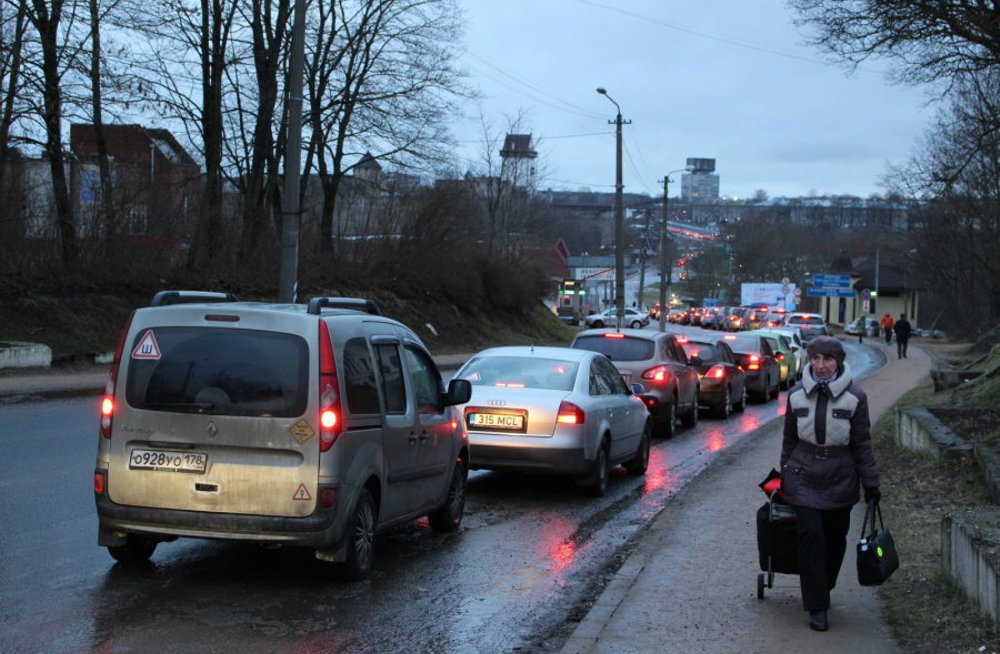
x,y
518,575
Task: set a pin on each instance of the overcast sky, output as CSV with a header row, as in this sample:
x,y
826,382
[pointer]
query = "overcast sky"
x,y
722,79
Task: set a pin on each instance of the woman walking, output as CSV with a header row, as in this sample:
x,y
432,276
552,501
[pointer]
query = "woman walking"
x,y
825,452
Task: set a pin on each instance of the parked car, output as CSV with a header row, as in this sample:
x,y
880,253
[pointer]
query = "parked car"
x,y
722,385
762,370
657,362
554,410
284,424
781,345
609,318
811,324
866,324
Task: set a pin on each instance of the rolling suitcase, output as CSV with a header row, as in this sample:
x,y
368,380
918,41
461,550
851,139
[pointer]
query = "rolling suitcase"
x,y
777,542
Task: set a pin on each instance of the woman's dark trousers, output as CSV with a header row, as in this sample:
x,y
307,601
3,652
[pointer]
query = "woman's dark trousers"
x,y
822,543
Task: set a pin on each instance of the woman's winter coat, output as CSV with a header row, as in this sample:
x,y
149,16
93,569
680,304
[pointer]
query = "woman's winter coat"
x,y
827,447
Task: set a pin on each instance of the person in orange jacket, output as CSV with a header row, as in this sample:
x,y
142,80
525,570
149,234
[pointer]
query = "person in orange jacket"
x,y
887,323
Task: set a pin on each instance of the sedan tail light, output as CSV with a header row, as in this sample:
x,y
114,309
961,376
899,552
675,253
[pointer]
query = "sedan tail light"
x,y
570,414
716,372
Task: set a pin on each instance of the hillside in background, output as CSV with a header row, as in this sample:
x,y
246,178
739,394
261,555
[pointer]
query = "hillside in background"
x,y
79,325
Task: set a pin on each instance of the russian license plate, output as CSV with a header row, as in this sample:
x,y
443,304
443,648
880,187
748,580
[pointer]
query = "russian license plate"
x,y
500,420
142,459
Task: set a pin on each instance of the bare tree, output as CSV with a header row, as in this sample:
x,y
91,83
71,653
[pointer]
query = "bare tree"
x,y
381,80
13,23
929,40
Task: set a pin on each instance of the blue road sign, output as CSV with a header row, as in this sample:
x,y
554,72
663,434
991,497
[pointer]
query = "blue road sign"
x,y
832,281
813,291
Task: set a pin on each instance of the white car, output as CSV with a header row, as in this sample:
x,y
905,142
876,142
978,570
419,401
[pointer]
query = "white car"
x,y
609,318
554,410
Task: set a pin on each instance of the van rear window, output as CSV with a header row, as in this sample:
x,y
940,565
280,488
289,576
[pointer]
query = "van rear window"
x,y
232,372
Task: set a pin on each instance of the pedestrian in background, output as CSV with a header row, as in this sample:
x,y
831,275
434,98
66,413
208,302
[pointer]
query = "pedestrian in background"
x,y
826,450
862,326
902,329
887,324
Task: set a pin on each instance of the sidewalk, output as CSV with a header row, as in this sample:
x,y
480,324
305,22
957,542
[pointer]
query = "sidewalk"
x,y
691,584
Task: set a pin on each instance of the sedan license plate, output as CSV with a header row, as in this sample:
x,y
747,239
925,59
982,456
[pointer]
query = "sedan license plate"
x,y
500,420
165,460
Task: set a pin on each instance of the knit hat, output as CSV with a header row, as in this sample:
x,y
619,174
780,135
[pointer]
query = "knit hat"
x,y
829,346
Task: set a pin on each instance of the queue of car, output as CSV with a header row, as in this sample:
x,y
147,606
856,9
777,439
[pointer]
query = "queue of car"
x,y
212,404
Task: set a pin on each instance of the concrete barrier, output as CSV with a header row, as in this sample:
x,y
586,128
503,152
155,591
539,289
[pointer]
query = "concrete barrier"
x,y
970,538
918,429
18,354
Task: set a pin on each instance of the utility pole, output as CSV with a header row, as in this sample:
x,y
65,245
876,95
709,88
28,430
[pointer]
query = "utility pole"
x,y
642,262
666,265
288,280
619,214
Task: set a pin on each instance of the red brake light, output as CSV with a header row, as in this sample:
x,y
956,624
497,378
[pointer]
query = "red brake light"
x,y
614,335
98,483
329,398
108,401
657,374
753,362
716,372
569,414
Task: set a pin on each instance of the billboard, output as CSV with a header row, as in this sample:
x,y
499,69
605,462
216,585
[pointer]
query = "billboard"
x,y
697,165
769,294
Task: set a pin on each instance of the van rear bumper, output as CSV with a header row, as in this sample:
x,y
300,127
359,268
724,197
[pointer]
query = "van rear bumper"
x,y
316,530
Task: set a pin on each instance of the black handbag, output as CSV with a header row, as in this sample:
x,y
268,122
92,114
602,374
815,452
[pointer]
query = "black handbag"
x,y
877,557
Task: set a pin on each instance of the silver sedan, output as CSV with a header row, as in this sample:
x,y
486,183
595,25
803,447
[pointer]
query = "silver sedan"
x,y
554,410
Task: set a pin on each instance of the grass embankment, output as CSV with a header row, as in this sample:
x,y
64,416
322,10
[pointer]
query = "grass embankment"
x,y
79,325
928,613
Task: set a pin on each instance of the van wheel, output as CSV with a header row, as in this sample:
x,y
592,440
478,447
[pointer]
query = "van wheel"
x,y
449,516
666,425
690,419
137,549
360,539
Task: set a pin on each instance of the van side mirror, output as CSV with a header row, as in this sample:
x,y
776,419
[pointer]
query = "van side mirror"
x,y
459,391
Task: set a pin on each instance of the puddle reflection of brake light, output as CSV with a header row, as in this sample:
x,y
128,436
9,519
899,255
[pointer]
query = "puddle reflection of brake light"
x,y
569,414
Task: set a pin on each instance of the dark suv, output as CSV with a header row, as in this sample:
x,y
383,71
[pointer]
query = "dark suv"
x,y
658,362
312,425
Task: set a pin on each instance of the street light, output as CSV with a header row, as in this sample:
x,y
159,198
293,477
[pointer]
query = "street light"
x,y
619,214
666,265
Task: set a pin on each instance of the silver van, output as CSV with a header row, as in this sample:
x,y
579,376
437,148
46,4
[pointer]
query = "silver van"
x,y
287,424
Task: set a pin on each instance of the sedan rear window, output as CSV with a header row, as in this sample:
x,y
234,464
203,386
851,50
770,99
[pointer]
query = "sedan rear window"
x,y
706,352
231,372
618,349
521,372
805,320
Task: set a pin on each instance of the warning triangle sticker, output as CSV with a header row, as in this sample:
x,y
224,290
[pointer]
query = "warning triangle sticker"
x,y
147,347
302,493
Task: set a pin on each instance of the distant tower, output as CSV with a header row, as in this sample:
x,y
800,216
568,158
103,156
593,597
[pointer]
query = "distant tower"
x,y
368,169
518,161
701,184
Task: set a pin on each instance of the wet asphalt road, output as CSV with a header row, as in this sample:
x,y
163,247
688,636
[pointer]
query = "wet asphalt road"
x,y
532,553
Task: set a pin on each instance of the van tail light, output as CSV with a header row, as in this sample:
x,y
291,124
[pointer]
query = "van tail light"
x,y
753,362
656,374
99,483
716,372
569,414
330,413
108,401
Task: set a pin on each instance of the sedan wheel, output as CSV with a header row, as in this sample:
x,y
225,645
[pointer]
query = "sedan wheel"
x,y
741,406
725,407
637,465
636,324
596,483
